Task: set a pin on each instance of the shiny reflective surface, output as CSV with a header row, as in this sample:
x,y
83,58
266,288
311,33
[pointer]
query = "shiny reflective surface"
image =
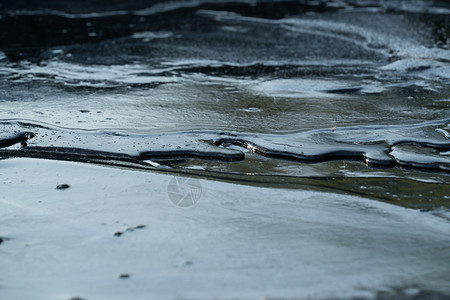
x,y
306,82
342,97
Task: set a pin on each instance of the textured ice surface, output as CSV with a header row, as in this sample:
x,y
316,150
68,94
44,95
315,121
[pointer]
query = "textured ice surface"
x,y
312,137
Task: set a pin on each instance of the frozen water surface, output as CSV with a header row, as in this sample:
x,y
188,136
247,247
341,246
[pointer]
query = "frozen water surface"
x,y
279,149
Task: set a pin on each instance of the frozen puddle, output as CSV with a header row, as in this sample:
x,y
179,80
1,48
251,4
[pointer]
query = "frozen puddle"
x,y
116,234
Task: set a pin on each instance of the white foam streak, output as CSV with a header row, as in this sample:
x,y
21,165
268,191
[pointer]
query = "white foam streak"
x,y
96,75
